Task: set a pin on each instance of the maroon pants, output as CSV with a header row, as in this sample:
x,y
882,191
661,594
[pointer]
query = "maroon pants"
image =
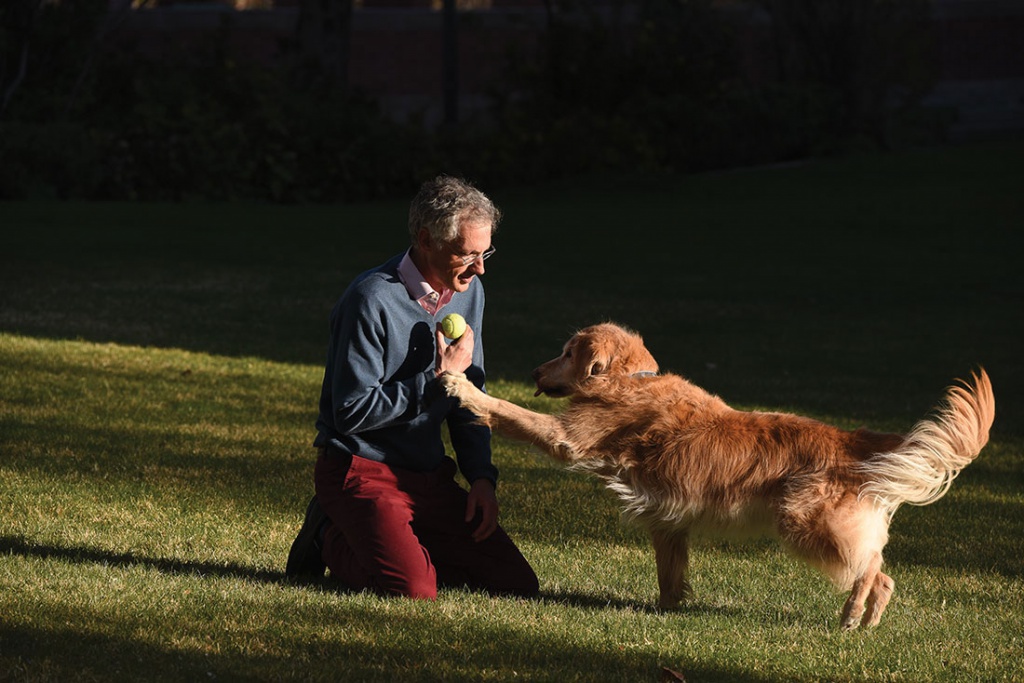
x,y
401,532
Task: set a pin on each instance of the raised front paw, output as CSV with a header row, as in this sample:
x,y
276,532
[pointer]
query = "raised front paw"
x,y
452,382
458,386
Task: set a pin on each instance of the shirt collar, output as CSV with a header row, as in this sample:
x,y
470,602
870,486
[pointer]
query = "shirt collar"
x,y
418,288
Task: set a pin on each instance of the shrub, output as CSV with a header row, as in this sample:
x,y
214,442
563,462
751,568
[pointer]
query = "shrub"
x,y
655,88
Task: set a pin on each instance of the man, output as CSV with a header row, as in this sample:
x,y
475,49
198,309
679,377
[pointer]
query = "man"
x,y
388,514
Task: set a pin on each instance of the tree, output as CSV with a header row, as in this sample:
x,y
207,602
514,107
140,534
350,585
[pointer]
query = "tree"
x,y
17,20
451,63
869,53
54,44
324,38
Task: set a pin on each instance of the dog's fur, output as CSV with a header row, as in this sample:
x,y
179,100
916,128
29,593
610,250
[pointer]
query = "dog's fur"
x,y
683,461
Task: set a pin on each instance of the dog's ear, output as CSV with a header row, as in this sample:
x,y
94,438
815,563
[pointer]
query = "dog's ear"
x,y
595,358
613,350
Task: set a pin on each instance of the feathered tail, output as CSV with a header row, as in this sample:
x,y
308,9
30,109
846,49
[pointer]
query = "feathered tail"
x,y
923,468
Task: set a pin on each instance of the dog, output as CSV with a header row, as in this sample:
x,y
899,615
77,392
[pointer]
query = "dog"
x,y
682,461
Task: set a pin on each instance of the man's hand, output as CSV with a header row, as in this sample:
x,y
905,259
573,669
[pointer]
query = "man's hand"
x,y
455,357
482,498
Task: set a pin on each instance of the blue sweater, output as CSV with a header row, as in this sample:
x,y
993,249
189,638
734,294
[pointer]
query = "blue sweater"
x,y
379,398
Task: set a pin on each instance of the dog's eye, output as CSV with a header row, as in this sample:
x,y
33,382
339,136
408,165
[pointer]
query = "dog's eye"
x,y
568,353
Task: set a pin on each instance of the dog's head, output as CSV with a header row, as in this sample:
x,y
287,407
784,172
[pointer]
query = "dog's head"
x,y
598,351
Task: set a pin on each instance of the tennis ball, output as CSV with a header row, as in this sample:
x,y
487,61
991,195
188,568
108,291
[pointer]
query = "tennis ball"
x,y
453,325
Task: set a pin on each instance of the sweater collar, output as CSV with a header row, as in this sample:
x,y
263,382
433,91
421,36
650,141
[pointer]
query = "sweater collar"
x,y
419,290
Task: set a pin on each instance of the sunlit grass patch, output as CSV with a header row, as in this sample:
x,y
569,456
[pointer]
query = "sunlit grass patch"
x,y
160,368
145,537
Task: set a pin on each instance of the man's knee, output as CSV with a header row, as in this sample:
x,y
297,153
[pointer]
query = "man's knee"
x,y
530,588
420,588
523,585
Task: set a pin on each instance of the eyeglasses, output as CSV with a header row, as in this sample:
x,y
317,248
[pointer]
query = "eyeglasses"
x,y
472,258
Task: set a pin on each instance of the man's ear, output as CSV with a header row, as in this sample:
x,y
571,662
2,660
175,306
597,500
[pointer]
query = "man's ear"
x,y
423,240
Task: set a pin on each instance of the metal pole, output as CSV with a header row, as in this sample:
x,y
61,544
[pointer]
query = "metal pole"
x,y
451,64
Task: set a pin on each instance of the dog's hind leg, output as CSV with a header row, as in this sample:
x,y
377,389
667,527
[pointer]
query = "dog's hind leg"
x,y
672,555
878,598
863,587
858,531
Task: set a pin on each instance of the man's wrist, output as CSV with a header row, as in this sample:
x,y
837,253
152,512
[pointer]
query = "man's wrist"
x,y
492,482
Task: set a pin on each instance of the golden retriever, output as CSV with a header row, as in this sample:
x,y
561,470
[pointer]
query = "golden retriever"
x,y
683,461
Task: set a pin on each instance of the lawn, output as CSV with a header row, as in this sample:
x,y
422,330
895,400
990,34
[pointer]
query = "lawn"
x,y
160,366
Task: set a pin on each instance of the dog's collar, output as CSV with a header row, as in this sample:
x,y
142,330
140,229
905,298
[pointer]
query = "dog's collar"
x,y
644,373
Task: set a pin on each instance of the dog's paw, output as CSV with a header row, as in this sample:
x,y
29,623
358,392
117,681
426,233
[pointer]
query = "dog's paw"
x,y
452,383
457,385
674,600
672,605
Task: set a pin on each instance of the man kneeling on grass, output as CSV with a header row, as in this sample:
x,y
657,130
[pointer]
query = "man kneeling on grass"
x,y
388,514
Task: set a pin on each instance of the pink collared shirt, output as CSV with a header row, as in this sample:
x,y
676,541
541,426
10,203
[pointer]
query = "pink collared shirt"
x,y
431,300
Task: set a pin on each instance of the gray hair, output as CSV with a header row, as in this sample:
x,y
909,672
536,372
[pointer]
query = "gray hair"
x,y
442,204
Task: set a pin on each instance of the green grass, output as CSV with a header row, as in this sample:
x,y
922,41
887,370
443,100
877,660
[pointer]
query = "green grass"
x,y
160,365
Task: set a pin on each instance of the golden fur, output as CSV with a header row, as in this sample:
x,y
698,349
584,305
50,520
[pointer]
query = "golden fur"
x,y
683,461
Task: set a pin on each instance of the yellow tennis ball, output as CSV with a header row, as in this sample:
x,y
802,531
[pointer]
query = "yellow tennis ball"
x,y
453,325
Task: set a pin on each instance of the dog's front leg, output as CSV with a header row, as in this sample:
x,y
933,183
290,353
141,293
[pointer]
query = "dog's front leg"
x,y
510,420
672,555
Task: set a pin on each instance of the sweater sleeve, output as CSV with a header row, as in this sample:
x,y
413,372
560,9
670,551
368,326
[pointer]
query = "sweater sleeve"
x,y
363,398
470,439
472,444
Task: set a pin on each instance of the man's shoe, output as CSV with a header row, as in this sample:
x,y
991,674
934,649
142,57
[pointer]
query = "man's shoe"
x,y
304,559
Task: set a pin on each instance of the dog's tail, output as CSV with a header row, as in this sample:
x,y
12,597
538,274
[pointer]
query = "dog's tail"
x,y
924,466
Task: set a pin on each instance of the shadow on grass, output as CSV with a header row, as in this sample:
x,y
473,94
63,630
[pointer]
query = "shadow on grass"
x,y
592,602
17,545
58,651
589,601
62,653
497,651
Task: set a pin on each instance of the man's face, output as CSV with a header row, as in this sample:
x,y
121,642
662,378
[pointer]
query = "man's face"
x,y
446,263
